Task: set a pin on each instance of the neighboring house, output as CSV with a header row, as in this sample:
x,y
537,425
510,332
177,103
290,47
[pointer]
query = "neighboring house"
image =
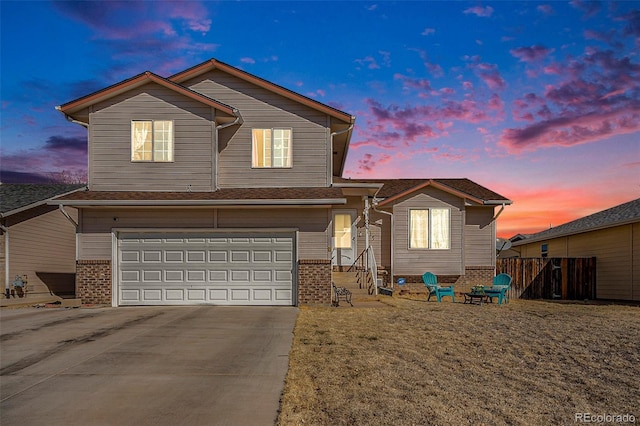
x,y
612,236
214,186
38,242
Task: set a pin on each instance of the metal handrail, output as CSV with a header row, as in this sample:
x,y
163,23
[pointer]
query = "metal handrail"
x,y
371,266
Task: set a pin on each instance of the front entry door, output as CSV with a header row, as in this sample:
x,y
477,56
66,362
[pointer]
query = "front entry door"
x,y
344,238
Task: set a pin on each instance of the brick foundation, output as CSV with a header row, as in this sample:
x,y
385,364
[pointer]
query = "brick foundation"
x,y
314,282
474,275
93,281
477,275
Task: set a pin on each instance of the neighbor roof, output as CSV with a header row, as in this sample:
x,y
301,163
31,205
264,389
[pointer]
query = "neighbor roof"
x,y
393,189
19,196
615,216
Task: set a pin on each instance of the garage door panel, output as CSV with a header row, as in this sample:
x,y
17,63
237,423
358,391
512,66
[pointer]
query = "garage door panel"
x,y
218,276
240,256
180,269
238,275
240,294
199,294
176,256
149,275
194,256
130,256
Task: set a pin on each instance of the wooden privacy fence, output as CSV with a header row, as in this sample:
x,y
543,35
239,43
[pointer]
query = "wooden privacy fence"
x,y
550,278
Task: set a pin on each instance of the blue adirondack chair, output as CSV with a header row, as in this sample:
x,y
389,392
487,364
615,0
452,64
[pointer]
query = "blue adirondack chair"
x,y
501,284
431,282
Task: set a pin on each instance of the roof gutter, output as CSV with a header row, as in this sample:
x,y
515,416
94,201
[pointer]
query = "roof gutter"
x,y
238,120
497,202
499,213
7,289
66,214
73,120
334,134
169,203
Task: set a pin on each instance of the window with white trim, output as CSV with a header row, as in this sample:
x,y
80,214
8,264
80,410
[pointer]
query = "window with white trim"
x,y
152,140
430,229
271,148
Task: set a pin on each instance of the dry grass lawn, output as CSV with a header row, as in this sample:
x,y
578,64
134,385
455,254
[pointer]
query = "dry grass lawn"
x,y
412,362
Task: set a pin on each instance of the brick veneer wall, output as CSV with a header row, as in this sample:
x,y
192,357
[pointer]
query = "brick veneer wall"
x,y
477,275
93,281
474,275
314,282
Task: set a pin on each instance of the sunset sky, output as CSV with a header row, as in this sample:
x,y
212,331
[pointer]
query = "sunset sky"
x,y
538,101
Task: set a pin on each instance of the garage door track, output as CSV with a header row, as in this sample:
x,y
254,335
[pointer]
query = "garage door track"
x,y
202,365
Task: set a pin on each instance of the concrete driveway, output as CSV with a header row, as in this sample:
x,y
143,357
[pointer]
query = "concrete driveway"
x,y
143,365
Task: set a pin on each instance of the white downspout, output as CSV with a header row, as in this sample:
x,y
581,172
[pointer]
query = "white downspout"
x,y
7,288
495,236
499,212
69,218
374,204
333,134
238,120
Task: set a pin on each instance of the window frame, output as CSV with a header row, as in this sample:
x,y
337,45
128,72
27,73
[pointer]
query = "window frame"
x,y
289,157
169,149
429,228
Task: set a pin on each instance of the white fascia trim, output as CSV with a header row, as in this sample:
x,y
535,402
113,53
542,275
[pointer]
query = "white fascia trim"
x,y
357,185
117,231
186,203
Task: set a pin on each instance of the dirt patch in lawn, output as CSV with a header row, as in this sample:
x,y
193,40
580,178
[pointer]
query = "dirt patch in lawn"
x,y
412,362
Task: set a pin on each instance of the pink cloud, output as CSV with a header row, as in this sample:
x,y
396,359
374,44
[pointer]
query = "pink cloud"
x,y
480,11
545,9
428,31
413,83
571,130
490,75
247,60
531,53
369,62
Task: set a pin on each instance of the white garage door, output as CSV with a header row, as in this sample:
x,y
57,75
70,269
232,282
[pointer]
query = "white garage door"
x,y
205,268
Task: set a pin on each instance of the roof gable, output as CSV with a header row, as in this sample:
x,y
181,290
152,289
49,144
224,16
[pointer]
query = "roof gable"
x,y
144,78
393,189
243,75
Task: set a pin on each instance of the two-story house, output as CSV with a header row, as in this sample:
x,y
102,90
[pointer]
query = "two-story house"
x,y
214,186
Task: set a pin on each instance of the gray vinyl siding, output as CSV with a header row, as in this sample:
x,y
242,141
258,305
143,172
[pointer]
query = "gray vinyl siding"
x,y
418,261
110,165
479,237
313,224
261,108
94,246
97,225
46,243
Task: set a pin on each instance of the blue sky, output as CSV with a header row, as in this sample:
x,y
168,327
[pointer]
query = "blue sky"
x,y
539,101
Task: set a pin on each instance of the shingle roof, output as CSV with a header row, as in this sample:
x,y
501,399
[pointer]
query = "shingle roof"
x,y
18,195
230,194
394,187
614,216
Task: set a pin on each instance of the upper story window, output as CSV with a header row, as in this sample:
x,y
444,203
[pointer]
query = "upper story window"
x,y
271,148
430,229
152,140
